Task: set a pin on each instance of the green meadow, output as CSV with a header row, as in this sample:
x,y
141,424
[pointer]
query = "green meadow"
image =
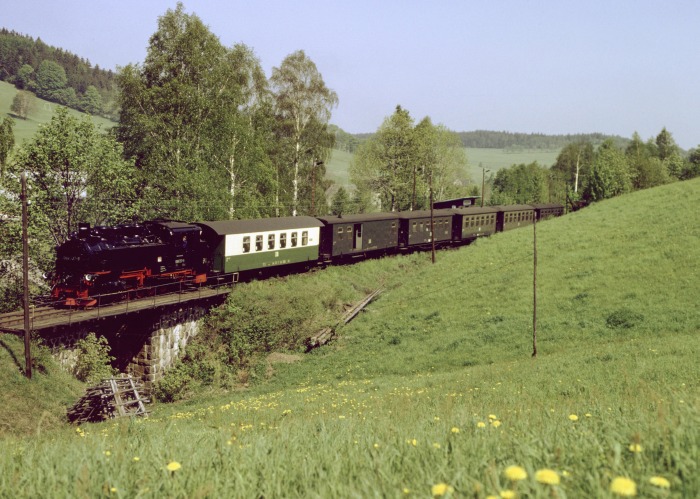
x,y
337,168
433,390
41,113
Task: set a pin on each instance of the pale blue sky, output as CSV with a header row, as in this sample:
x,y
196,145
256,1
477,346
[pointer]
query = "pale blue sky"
x,y
611,66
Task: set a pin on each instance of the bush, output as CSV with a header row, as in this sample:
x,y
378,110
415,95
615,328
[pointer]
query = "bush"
x,y
174,384
623,318
94,361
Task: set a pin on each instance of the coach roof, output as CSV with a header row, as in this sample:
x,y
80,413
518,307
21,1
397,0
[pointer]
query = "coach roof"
x,y
225,227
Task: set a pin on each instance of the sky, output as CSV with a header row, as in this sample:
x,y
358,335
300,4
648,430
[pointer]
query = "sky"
x,y
550,66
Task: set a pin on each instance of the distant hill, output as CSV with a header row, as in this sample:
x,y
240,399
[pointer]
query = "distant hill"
x,y
85,87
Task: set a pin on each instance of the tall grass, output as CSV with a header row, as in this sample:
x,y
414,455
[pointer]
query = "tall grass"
x,y
435,384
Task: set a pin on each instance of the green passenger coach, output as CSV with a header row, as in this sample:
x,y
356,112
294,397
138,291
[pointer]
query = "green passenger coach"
x,y
256,245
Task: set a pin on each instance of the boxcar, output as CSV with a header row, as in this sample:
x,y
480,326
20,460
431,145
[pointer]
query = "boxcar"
x,y
256,245
514,216
414,227
472,223
358,235
545,211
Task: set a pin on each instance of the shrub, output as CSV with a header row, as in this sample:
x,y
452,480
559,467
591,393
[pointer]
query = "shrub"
x,y
174,384
94,361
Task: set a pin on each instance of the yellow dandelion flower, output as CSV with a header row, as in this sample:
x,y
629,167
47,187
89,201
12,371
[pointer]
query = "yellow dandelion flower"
x,y
515,473
454,429
588,415
406,490
173,466
136,459
376,446
623,487
636,448
440,489
113,490
108,453
547,476
508,494
659,481
491,497
412,441
495,423
481,424
573,417
493,416
436,445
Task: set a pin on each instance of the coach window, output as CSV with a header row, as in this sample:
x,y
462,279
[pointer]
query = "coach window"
x,y
294,239
305,238
283,240
271,241
258,242
246,244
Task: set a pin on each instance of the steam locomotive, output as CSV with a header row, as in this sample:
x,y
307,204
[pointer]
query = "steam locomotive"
x,y
118,261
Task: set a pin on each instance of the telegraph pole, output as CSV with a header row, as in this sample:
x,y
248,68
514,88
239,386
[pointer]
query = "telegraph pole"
x,y
25,278
534,285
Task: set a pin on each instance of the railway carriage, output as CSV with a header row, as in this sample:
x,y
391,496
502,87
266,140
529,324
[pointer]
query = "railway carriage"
x,y
240,246
514,216
472,223
414,228
353,236
544,211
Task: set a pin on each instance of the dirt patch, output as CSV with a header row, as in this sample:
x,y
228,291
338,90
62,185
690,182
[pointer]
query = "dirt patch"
x,y
283,358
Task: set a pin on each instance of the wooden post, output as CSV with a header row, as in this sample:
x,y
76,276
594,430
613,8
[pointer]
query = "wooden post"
x,y
534,285
25,279
432,224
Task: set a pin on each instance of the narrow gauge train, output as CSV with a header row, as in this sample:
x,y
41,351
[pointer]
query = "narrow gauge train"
x,y
114,260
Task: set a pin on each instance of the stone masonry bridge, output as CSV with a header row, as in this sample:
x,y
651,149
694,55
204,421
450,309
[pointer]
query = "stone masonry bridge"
x,y
146,335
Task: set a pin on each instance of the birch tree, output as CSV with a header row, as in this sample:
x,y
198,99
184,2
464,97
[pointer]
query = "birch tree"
x,y
301,99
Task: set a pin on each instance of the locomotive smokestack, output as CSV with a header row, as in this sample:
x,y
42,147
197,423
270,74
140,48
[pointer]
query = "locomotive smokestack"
x,y
83,230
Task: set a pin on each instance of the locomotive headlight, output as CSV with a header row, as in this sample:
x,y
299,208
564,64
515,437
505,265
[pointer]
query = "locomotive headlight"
x,y
160,259
88,277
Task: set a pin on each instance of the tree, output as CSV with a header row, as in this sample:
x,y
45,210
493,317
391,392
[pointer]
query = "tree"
x,y
7,141
573,163
171,109
692,166
340,202
76,174
666,145
384,164
91,102
50,80
301,100
24,81
646,170
195,116
521,184
609,175
22,104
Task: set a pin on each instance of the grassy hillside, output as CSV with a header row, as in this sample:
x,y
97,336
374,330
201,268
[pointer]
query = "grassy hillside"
x,y
42,113
433,390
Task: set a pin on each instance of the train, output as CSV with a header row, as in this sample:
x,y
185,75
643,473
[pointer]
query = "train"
x,y
128,261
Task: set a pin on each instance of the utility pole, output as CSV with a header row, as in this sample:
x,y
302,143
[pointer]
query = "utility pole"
x,y
534,285
483,177
314,165
432,224
25,278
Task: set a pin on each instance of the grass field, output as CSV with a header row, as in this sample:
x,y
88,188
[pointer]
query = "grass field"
x,y
42,113
433,391
491,159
